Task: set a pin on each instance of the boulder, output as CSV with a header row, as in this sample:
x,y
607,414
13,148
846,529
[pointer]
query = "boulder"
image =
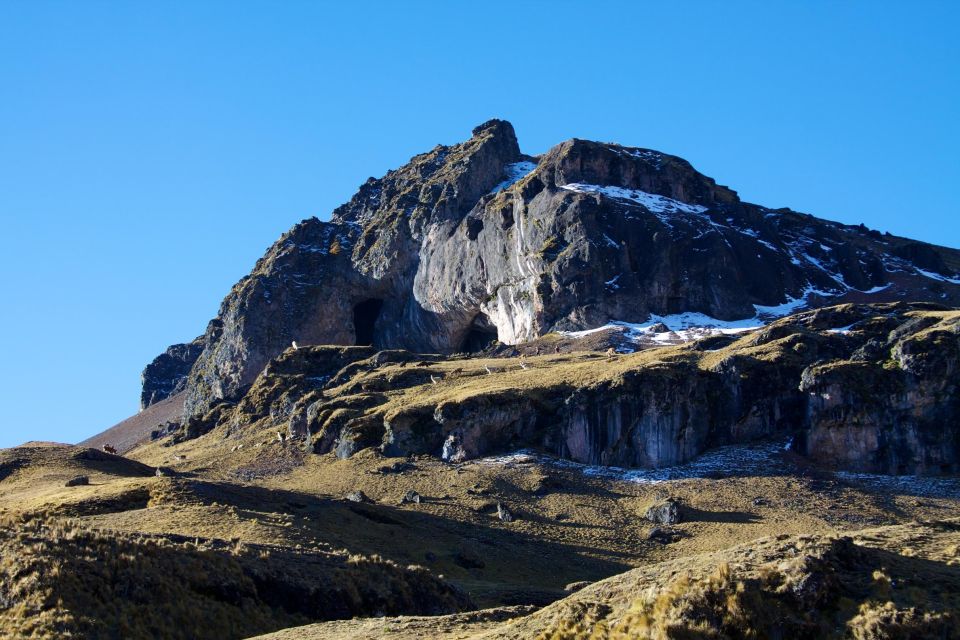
x,y
504,512
664,512
357,496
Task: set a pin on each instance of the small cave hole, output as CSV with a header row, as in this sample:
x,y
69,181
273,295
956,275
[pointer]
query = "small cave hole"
x,y
481,334
365,317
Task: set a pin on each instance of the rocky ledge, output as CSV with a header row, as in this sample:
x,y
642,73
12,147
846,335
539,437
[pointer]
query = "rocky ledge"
x,y
861,387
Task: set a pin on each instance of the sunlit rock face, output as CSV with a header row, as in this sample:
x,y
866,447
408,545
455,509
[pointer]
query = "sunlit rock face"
x,y
476,242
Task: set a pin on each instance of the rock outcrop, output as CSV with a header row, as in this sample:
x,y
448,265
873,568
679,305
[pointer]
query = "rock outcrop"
x,y
860,387
167,374
476,242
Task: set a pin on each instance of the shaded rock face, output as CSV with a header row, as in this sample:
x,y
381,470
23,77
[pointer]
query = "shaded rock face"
x,y
476,242
857,387
167,374
897,416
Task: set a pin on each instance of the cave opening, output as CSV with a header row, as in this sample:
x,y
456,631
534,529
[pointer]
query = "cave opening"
x,y
365,316
481,334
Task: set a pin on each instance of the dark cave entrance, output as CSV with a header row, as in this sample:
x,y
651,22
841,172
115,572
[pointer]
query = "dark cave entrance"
x,y
481,334
365,317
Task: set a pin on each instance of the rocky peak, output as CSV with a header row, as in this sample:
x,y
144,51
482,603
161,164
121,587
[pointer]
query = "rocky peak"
x,y
594,163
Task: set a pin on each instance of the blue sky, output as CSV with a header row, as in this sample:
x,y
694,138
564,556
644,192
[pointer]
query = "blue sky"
x,y
150,152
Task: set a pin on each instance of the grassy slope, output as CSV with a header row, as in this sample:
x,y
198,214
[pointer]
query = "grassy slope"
x,y
901,581
572,526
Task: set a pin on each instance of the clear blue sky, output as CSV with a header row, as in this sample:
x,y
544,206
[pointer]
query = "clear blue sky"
x,y
151,151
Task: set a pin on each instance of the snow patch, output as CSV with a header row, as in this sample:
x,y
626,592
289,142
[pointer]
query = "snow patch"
x,y
790,306
515,172
937,276
692,325
877,289
651,201
653,157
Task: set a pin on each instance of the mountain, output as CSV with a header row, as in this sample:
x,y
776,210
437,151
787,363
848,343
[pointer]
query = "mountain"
x,y
590,394
477,242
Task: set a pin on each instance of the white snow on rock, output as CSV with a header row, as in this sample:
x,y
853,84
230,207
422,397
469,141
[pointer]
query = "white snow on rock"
x,y
691,325
842,330
877,289
515,172
682,327
792,305
937,276
653,157
653,202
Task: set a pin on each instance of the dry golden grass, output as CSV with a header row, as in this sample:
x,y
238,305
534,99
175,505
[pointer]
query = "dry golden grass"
x,y
60,578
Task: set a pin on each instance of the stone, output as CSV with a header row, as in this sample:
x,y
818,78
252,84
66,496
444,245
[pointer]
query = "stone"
x,y
411,497
396,467
664,512
468,560
573,587
77,481
357,496
662,535
504,512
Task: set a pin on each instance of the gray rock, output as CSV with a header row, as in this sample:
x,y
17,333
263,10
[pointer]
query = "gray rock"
x,y
468,560
167,374
357,496
411,497
663,536
664,512
573,587
504,512
77,481
396,467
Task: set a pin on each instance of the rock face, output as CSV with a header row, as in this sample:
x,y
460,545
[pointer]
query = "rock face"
x,y
864,387
898,415
477,242
167,374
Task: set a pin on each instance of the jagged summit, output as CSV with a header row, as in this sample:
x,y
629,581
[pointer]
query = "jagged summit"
x,y
476,242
